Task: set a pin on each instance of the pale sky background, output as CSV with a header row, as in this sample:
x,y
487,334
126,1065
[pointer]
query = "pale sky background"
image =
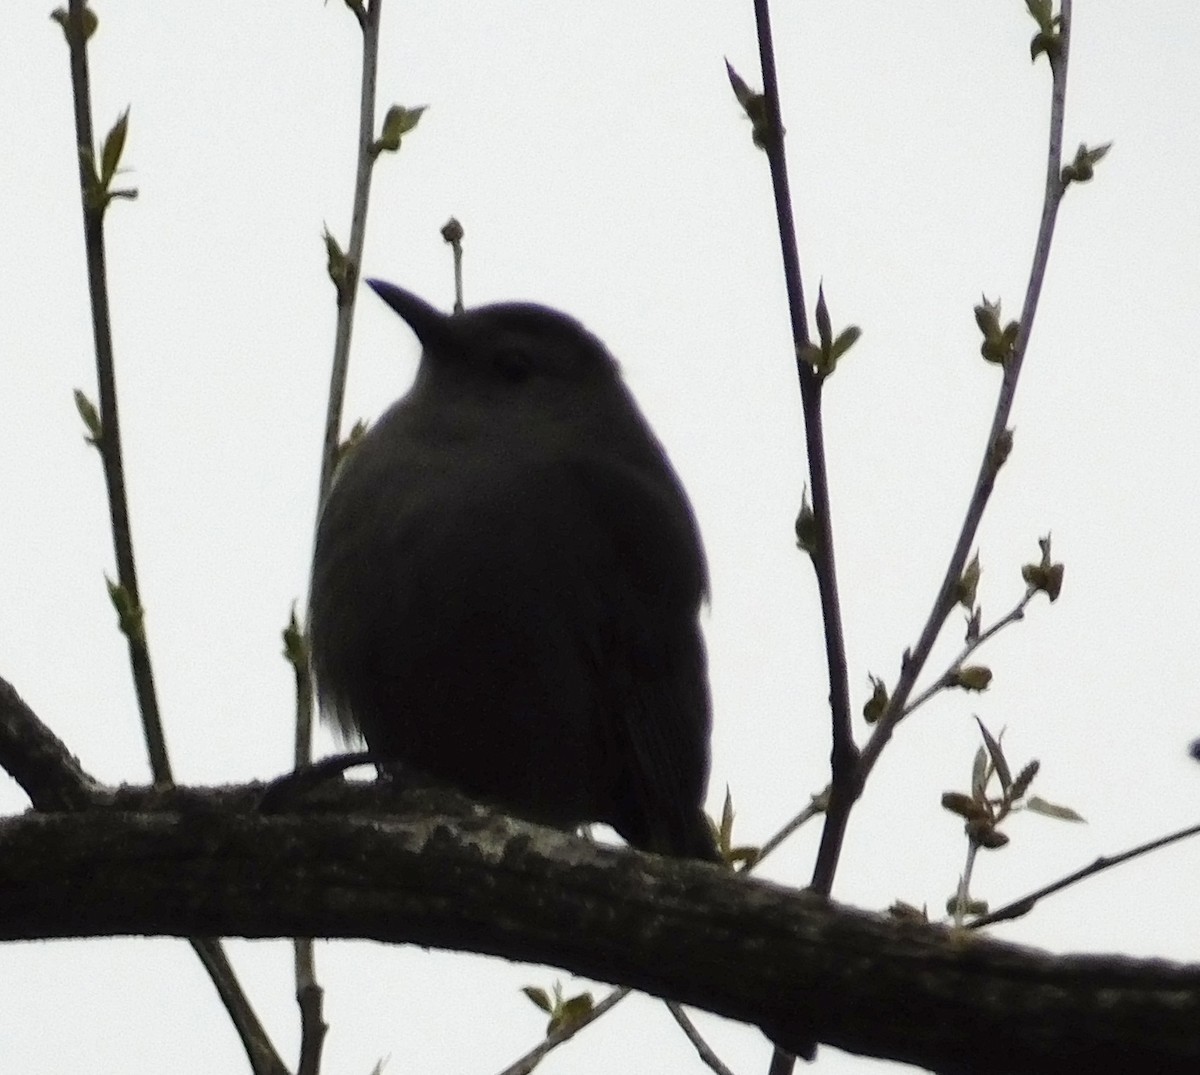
x,y
599,163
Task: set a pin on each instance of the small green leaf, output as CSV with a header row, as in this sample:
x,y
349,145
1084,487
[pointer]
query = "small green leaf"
x,y
823,355
723,836
876,705
91,420
824,328
396,124
339,267
997,754
974,624
998,342
1045,576
1041,11
571,1011
979,774
846,339
539,997
963,805
1024,779
1048,44
114,146
984,834
1000,449
129,615
563,1013
964,591
753,104
987,316
295,645
725,830
741,90
1082,168
1048,39
1063,813
63,18
971,677
807,534
971,907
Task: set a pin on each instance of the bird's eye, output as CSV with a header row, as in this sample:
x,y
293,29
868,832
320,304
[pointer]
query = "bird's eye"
x,y
512,364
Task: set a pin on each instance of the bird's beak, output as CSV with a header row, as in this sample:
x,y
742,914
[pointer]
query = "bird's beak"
x,y
428,323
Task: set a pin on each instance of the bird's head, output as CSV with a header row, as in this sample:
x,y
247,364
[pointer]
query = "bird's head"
x,y
508,349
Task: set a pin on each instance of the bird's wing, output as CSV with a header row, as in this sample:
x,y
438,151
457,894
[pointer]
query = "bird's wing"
x,y
651,658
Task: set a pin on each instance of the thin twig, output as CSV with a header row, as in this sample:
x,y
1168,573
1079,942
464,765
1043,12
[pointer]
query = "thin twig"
x,y
109,441
985,480
845,753
310,997
452,233
963,895
841,805
849,769
1014,615
525,1064
309,994
1026,903
817,806
38,760
264,1060
358,229
261,1053
703,1049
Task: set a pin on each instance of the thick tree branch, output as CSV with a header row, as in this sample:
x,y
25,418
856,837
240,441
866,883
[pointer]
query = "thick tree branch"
x,y
481,882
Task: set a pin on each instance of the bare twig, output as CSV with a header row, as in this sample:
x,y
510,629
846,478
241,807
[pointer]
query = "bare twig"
x,y
1025,904
988,468
816,807
452,233
109,441
309,994
348,289
841,805
259,1050
310,997
703,1049
963,895
845,753
38,760
264,1060
1014,615
525,1064
849,769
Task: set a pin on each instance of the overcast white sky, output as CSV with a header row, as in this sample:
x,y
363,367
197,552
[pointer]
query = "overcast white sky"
x,y
599,163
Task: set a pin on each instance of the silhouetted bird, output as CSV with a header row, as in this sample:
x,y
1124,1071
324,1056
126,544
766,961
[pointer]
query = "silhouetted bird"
x,y
507,583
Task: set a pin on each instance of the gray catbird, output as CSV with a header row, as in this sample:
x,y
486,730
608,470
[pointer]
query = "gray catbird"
x,y
507,582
